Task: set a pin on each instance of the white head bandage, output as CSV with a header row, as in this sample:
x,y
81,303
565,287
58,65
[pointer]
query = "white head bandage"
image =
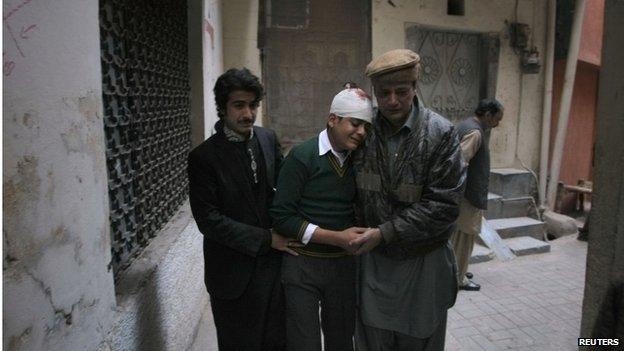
x,y
354,103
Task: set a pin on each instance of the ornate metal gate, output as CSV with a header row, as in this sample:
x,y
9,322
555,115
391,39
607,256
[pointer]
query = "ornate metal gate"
x,y
146,117
457,68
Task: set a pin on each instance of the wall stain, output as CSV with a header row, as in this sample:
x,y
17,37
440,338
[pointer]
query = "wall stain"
x,y
72,139
29,119
89,107
20,195
60,234
17,341
77,249
51,185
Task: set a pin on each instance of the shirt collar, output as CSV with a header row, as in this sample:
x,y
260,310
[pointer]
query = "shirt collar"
x,y
325,146
409,124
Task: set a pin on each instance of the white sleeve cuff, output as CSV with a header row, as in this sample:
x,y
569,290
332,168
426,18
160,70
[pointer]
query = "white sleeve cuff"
x,y
307,235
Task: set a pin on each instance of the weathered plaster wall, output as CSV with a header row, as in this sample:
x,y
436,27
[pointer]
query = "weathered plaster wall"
x,y
605,262
58,290
517,139
240,38
213,59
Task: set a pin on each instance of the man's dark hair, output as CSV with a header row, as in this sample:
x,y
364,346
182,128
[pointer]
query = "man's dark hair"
x,y
232,80
492,106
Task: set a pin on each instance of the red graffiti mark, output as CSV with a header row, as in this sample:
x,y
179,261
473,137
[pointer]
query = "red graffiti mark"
x,y
18,38
208,27
16,9
10,30
25,30
7,65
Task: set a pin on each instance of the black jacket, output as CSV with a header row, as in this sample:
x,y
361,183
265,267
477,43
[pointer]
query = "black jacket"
x,y
224,208
419,205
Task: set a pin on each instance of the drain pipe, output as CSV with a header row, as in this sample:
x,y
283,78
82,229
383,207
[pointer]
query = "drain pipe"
x,y
566,100
547,103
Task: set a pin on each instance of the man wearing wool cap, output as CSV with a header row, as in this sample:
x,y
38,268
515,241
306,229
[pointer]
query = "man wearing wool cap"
x,y
409,182
314,205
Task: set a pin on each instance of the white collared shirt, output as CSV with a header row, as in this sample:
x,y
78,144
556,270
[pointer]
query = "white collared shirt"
x,y
324,146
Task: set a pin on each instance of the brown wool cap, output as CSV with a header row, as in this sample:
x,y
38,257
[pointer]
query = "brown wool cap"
x,y
391,61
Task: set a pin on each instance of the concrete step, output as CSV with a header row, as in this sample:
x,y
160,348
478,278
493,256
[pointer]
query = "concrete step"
x,y
481,254
511,182
525,245
520,246
498,207
518,226
494,206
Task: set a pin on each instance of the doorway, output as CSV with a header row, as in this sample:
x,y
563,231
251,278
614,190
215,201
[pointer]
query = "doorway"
x,y
309,50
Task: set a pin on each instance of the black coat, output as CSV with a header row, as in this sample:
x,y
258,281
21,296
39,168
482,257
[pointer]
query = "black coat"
x,y
226,213
420,203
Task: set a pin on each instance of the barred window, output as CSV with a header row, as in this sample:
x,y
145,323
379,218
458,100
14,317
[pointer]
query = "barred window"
x,y
145,84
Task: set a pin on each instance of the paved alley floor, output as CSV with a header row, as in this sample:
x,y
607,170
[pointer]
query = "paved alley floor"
x,y
530,303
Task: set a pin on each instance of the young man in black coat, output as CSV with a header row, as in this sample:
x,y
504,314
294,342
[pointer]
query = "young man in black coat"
x,y
231,181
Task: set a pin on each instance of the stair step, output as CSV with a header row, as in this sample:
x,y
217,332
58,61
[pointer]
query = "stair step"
x,y
481,254
511,182
494,206
525,245
518,226
512,207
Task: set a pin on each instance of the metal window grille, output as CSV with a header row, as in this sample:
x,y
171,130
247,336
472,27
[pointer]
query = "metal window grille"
x,y
145,83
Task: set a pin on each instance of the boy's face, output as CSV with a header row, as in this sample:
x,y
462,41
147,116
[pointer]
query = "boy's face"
x,y
241,110
346,133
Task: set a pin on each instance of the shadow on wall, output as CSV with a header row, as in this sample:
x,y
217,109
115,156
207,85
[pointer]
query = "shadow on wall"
x,y
149,321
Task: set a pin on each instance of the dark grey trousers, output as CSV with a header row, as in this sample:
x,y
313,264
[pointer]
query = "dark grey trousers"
x,y
255,320
374,339
308,282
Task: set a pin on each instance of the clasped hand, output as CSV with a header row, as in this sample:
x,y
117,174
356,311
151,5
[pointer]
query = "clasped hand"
x,y
360,240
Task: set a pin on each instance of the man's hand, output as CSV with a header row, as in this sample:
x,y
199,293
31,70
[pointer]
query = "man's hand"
x,y
366,241
282,243
347,236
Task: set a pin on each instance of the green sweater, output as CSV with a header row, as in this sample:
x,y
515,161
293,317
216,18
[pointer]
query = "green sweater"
x,y
313,189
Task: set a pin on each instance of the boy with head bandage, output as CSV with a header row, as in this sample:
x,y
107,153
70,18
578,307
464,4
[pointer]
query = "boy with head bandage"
x,y
314,204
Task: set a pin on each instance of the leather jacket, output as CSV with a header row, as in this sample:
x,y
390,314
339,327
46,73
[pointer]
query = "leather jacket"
x,y
416,207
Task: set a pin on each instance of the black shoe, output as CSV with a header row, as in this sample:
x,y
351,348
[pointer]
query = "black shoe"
x,y
468,275
471,286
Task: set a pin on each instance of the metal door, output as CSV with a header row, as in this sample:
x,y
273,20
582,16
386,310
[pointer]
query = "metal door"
x,y
456,68
310,49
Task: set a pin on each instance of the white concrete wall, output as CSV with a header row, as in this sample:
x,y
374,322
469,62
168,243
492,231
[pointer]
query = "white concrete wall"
x,y
517,139
58,290
240,38
161,296
213,59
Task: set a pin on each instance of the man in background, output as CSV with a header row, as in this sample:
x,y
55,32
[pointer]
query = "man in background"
x,y
474,141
